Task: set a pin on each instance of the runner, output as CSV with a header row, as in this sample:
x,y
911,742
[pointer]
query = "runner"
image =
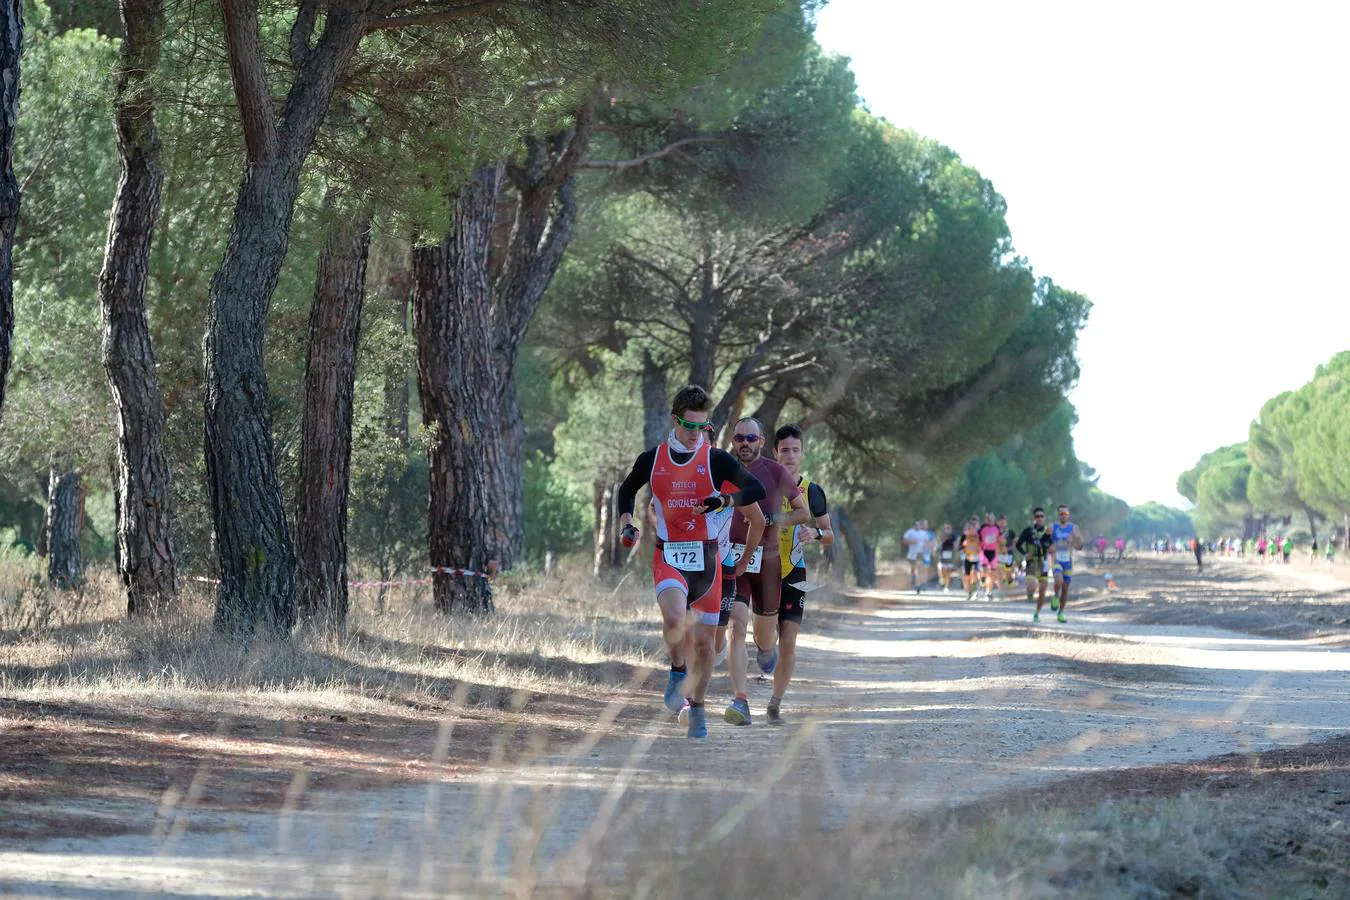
x,y
1005,554
947,556
790,448
916,538
685,473
1034,545
1198,548
1066,539
760,589
991,541
970,557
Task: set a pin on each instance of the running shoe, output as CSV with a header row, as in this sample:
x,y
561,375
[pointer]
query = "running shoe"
x,y
775,718
674,690
698,722
683,715
1035,618
738,713
1061,617
767,659
1054,604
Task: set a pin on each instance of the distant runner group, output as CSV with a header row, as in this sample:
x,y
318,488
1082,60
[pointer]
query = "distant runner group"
x,y
729,536
986,554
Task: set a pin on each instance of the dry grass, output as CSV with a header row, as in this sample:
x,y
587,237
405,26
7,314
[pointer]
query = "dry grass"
x,y
62,646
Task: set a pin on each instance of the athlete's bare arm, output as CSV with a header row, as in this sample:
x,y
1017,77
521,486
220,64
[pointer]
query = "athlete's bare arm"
x,y
826,536
755,516
799,515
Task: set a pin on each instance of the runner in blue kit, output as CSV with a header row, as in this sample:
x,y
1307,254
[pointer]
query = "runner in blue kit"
x,y
1064,539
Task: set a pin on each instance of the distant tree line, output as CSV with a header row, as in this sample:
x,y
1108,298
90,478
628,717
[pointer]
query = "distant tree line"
x,y
1292,471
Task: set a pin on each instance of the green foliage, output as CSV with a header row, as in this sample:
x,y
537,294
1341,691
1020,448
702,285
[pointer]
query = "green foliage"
x,y
1152,521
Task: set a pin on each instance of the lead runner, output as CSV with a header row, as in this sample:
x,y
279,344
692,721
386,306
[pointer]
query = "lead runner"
x,y
685,473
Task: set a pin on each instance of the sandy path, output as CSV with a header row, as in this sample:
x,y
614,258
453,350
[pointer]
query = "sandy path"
x,y
919,703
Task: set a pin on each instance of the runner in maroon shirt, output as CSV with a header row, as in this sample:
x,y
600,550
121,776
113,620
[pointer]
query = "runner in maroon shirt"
x,y
759,589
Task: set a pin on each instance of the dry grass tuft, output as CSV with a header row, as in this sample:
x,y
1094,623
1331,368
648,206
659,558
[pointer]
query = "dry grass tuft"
x,y
78,645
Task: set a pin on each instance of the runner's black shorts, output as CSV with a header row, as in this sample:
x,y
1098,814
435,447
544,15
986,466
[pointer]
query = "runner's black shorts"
x,y
793,603
762,589
969,566
728,595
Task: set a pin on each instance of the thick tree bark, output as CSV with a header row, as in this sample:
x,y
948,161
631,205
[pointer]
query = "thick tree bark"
x,y
544,213
65,516
452,324
771,407
607,552
703,324
257,562
864,554
144,497
655,404
11,47
326,425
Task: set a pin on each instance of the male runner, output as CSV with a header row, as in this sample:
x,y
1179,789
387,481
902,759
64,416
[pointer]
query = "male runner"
x,y
991,540
947,556
1065,539
685,473
1034,545
1005,553
759,590
790,448
915,538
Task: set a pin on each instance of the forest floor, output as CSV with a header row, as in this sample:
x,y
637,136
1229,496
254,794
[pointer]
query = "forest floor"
x,y
1183,735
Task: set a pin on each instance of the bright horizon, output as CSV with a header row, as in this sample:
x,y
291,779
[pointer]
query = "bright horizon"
x,y
1180,165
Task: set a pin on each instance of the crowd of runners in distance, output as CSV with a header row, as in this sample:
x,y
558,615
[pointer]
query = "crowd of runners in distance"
x,y
991,557
1261,549
730,531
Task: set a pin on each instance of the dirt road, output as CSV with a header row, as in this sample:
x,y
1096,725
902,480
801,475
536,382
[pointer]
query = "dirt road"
x,y
914,703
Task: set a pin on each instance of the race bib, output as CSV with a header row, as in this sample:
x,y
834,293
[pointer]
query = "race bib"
x,y
946,554
1063,556
687,556
756,558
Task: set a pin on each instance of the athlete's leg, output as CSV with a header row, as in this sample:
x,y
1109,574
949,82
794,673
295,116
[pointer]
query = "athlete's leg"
x,y
764,603
701,670
674,625
736,660
787,661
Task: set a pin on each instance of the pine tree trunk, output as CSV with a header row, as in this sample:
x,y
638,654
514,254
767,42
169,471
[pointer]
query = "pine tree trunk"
x,y
863,554
452,324
65,566
257,563
144,496
326,426
512,476
11,47
607,550
544,212
253,542
655,404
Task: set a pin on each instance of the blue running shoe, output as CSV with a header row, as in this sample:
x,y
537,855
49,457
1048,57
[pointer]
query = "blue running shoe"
x,y
738,713
767,659
698,723
675,691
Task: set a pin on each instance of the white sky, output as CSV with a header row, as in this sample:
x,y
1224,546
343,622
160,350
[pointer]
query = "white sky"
x,y
1182,164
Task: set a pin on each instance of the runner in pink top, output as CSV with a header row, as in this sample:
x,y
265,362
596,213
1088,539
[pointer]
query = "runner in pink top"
x,y
991,543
